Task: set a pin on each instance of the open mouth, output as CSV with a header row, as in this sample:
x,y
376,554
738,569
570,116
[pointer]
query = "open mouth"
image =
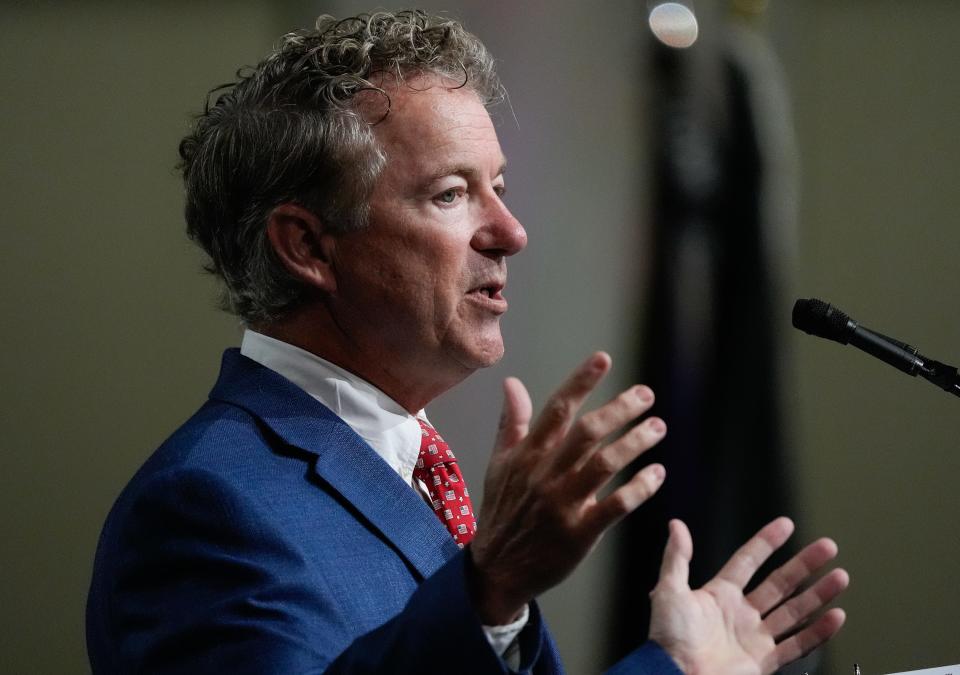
x,y
492,291
491,295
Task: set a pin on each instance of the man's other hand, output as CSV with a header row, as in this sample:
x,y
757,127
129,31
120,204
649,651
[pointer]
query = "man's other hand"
x,y
542,511
719,629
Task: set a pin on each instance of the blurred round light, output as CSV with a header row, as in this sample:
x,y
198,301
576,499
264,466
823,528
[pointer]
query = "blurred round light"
x,y
674,24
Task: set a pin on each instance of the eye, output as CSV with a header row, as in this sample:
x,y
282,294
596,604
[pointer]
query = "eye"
x,y
448,196
501,190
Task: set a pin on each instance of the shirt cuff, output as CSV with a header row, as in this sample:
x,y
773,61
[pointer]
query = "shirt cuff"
x,y
500,637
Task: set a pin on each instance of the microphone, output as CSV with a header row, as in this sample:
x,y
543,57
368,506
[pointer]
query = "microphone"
x,y
818,318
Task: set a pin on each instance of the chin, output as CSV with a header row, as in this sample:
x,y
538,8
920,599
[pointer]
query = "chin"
x,y
490,354
482,355
491,359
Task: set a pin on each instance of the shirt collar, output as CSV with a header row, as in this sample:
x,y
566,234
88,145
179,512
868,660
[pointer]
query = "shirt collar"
x,y
391,431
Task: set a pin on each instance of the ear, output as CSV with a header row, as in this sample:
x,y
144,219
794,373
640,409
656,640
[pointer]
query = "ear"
x,y
299,240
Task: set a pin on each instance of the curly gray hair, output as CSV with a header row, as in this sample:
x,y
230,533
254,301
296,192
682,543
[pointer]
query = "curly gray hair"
x,y
289,131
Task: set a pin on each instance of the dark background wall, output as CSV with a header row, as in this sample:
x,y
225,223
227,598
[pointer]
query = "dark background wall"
x,y
111,337
876,101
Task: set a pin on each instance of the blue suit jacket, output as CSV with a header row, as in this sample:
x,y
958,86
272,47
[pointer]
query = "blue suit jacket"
x,y
265,536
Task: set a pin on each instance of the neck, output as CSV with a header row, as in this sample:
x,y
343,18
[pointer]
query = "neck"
x,y
412,384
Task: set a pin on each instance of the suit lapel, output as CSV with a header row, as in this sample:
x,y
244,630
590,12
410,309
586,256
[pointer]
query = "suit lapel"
x,y
344,460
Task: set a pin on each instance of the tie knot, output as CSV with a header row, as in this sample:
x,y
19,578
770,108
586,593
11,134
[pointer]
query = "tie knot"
x,y
433,449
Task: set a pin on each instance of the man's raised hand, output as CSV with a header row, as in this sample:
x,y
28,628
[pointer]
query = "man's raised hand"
x,y
542,511
719,629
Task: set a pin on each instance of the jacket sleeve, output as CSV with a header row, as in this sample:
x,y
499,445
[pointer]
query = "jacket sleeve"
x,y
439,632
649,659
190,578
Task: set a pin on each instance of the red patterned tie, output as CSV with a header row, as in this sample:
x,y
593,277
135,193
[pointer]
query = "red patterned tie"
x,y
437,468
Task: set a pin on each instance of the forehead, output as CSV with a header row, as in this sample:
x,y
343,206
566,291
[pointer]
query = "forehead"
x,y
432,114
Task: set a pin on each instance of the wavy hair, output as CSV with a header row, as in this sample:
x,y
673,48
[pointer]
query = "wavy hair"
x,y
289,130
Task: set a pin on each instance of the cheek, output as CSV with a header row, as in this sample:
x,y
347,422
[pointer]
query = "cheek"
x,y
444,270
415,290
418,272
386,272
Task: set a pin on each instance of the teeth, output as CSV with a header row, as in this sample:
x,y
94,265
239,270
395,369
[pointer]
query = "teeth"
x,y
488,291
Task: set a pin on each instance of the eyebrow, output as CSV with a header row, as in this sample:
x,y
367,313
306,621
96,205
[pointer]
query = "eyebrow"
x,y
462,170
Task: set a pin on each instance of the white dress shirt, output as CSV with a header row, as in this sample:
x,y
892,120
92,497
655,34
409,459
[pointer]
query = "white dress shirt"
x,y
391,431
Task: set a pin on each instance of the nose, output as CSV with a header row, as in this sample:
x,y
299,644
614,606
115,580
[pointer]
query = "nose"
x,y
500,234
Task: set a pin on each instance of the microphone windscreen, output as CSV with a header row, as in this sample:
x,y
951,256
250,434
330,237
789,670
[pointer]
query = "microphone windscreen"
x,y
818,318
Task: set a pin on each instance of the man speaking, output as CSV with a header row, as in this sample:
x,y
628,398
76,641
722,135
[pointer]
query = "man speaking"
x,y
308,518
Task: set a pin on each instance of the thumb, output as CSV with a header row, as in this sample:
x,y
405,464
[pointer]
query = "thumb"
x,y
675,569
516,414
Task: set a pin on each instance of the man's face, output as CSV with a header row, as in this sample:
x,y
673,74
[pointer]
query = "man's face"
x,y
421,286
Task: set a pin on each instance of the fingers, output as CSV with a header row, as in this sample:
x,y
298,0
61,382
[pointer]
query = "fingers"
x,y
748,559
785,580
624,499
600,466
611,417
806,640
515,416
571,450
563,405
675,568
792,613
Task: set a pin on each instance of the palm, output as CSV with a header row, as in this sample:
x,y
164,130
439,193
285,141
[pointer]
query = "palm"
x,y
719,629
